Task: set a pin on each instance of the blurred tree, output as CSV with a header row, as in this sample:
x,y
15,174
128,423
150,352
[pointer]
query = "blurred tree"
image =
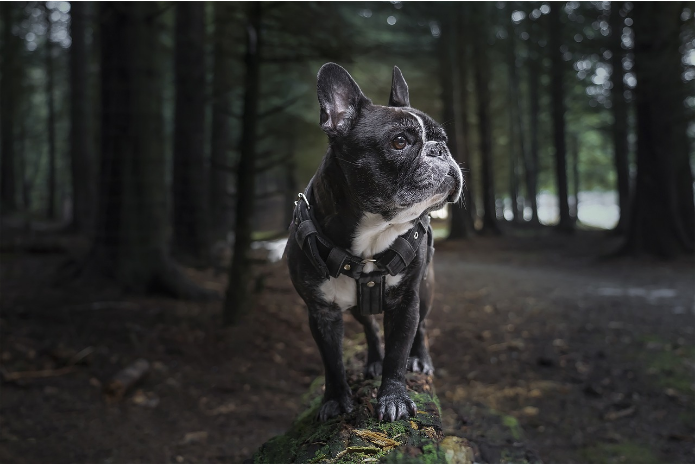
x,y
238,299
450,76
8,105
220,144
81,158
557,89
481,65
619,107
51,123
535,71
190,206
131,236
517,146
662,219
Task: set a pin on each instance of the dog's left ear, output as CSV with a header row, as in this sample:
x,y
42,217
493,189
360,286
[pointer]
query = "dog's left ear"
x,y
399,90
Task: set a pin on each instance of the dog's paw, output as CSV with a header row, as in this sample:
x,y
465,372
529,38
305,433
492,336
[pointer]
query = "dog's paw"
x,y
372,370
394,406
334,407
420,365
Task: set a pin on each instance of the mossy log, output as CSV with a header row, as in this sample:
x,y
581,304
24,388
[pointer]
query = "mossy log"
x,y
359,437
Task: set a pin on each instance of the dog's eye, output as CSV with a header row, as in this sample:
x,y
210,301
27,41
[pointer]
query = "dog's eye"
x,y
399,142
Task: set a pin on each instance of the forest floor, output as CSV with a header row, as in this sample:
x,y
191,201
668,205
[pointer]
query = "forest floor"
x,y
595,358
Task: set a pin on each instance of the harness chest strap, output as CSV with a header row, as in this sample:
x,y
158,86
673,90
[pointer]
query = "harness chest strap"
x,y
337,261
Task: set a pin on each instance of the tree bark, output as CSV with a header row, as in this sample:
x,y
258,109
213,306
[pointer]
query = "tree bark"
x,y
532,168
620,119
516,141
50,101
238,300
190,213
131,235
220,138
482,79
450,83
462,223
558,114
8,89
81,158
662,220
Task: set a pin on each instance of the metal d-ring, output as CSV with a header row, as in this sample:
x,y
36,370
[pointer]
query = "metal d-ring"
x,y
303,197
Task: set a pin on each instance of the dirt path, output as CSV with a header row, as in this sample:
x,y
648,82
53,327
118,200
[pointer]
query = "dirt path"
x,y
594,359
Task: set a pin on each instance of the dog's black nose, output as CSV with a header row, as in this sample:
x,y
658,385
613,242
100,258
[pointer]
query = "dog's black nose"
x,y
438,150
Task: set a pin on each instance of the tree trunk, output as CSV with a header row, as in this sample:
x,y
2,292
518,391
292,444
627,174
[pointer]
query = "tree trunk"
x,y
533,166
574,144
450,83
220,138
80,154
8,89
190,213
462,223
620,119
50,100
558,113
516,144
239,298
482,78
662,220
131,236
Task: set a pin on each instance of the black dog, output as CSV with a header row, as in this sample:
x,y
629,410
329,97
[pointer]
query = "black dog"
x,y
361,240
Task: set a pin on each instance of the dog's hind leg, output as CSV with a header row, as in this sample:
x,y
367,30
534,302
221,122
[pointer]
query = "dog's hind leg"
x,y
419,360
375,350
326,324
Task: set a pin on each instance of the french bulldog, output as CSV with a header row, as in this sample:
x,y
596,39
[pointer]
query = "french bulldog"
x,y
385,169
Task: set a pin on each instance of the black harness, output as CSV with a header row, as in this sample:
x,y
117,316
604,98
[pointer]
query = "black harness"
x,y
332,261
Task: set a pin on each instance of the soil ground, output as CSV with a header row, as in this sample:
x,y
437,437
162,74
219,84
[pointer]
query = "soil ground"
x,y
595,358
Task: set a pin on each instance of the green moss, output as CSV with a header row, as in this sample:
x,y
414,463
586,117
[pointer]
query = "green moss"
x,y
627,452
513,425
669,366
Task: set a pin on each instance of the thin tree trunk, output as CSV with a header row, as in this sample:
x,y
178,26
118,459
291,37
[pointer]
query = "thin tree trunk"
x,y
662,220
8,89
574,141
482,79
620,119
190,213
80,156
449,83
533,166
131,236
462,223
515,132
220,138
50,99
239,298
558,113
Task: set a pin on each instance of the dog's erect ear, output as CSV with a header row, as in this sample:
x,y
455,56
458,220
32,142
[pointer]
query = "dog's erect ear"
x,y
399,90
340,99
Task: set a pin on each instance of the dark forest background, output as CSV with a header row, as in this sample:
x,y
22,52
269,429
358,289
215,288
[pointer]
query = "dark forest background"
x,y
170,136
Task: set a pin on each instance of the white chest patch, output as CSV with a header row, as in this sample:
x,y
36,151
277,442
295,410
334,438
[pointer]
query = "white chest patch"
x,y
373,235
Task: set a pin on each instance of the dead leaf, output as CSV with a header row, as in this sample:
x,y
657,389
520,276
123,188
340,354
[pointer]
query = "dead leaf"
x,y
379,439
612,416
195,437
413,425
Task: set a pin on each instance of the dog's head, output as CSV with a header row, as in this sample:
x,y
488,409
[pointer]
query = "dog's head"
x,y
394,157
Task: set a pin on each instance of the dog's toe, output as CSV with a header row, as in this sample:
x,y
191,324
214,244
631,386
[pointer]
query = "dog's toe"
x,y
333,408
393,407
420,365
372,370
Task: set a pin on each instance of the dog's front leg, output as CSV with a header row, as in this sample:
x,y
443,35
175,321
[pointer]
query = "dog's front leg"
x,y
400,325
326,325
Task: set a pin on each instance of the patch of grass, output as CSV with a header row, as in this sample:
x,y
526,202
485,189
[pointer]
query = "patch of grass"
x,y
626,452
513,424
669,365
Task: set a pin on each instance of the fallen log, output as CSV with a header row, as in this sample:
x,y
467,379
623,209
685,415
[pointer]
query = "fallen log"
x,y
359,437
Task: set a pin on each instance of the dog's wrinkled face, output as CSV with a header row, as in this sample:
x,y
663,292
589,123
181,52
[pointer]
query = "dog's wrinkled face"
x,y
394,157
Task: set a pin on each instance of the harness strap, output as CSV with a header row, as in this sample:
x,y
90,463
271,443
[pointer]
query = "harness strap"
x,y
370,286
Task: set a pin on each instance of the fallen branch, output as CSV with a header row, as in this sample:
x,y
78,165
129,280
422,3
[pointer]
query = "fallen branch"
x,y
19,375
125,379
